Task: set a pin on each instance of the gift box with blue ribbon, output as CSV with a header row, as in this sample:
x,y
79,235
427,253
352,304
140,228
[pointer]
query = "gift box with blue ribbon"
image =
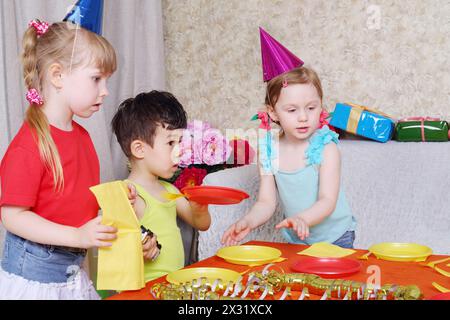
x,y
362,121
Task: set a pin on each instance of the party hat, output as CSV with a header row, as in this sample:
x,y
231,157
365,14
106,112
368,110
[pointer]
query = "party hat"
x,y
87,14
276,59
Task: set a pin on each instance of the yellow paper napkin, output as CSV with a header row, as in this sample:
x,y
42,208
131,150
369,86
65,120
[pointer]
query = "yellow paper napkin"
x,y
326,250
121,266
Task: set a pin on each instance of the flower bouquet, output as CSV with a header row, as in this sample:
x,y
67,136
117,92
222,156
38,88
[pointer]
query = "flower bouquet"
x,y
204,150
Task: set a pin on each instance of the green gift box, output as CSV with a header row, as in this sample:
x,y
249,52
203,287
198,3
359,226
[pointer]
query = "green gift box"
x,y
421,129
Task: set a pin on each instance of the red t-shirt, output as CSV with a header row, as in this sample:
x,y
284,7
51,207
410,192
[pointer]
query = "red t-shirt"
x,y
26,182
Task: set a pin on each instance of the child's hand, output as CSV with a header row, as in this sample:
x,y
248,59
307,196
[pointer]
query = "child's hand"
x,y
198,208
236,232
297,224
132,195
94,234
150,249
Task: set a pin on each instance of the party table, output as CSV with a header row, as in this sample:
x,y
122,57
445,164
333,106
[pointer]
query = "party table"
x,y
388,272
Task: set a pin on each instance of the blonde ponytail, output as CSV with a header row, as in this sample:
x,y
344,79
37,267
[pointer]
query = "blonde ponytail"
x,y
34,116
29,60
48,151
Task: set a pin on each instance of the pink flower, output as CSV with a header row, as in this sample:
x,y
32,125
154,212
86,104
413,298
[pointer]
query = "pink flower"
x,y
201,144
215,147
187,156
190,177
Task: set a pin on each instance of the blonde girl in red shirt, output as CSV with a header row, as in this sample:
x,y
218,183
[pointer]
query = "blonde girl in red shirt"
x,y
46,206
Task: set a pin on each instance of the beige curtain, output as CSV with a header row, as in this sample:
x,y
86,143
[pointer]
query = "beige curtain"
x,y
134,27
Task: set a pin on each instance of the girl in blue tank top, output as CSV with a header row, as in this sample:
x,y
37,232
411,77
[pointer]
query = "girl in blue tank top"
x,y
301,165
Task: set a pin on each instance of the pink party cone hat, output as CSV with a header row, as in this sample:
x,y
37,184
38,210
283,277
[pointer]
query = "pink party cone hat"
x,y
276,59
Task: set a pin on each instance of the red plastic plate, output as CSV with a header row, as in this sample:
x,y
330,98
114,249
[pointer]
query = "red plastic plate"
x,y
214,195
327,267
441,296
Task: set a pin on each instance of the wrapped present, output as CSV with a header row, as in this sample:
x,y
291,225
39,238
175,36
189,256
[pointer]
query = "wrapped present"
x,y
362,121
417,129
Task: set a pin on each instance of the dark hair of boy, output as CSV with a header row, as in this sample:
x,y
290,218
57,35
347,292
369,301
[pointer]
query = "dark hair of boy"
x,y
138,118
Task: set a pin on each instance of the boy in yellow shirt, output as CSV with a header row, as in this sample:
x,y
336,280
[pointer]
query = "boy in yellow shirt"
x,y
149,128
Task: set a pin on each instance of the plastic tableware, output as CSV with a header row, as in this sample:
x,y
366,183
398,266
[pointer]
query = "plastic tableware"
x,y
327,267
214,195
211,274
249,255
396,251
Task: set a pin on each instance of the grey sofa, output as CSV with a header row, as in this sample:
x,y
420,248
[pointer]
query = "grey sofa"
x,y
399,192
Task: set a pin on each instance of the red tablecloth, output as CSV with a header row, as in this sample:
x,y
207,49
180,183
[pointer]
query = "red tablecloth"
x,y
400,273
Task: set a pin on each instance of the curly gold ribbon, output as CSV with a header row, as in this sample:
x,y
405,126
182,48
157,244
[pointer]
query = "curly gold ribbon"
x,y
268,283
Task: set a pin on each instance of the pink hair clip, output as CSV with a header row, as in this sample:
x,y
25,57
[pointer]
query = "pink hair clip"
x,y
40,26
34,97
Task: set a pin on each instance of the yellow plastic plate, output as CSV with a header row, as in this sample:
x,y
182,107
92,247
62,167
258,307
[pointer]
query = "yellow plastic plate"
x,y
396,251
248,255
211,275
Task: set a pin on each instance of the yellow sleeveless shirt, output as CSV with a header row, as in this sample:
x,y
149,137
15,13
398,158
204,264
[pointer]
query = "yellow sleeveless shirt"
x,y
161,219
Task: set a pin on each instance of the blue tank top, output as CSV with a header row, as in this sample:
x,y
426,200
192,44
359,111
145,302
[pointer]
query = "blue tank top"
x,y
298,191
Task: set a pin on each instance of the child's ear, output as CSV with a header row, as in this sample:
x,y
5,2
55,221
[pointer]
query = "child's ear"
x,y
137,149
55,72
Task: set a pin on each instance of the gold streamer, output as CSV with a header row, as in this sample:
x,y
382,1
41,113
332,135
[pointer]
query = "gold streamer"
x,y
262,285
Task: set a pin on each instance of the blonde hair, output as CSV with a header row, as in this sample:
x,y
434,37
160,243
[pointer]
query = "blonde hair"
x,y
301,75
71,47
